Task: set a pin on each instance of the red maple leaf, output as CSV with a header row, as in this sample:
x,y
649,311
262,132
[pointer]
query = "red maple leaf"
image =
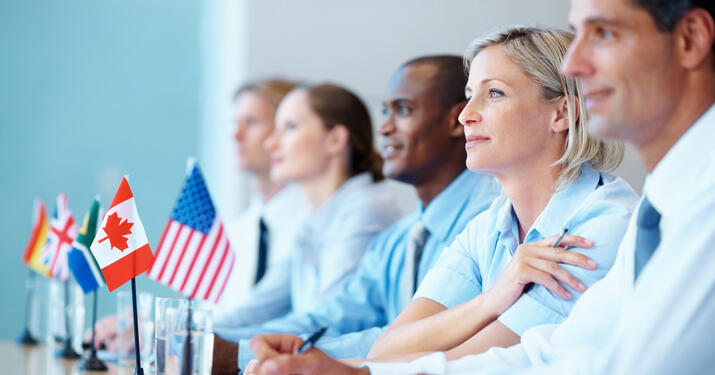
x,y
116,231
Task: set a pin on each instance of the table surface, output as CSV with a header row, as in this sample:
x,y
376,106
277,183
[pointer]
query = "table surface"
x,y
16,359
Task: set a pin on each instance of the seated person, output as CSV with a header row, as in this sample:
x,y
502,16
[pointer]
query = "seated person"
x,y
323,142
523,125
422,145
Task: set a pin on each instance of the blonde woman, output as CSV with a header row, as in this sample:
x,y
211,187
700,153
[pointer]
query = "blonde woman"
x,y
523,124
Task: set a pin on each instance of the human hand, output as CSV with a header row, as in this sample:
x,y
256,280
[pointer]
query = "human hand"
x,y
275,355
105,333
538,262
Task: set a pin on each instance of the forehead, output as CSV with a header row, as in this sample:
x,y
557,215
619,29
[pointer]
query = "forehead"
x,y
622,12
412,82
493,63
294,104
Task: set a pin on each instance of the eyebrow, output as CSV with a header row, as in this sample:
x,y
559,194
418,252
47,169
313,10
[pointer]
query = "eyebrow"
x,y
398,101
600,20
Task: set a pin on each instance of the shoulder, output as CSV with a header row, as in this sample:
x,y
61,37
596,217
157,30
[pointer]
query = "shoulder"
x,y
613,196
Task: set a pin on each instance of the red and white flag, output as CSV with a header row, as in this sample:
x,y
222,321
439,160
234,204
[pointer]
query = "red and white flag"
x,y
120,246
194,256
63,231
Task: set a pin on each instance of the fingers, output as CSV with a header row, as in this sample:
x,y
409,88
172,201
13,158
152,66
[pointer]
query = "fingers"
x,y
267,346
557,255
569,240
557,272
548,281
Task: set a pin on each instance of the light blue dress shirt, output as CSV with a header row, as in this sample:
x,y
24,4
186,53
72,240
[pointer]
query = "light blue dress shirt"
x,y
661,323
327,250
371,300
597,206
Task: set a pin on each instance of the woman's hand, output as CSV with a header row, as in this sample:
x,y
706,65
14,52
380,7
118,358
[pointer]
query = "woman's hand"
x,y
538,262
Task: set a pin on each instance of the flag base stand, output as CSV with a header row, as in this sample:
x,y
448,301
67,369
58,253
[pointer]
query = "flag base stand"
x,y
92,363
26,338
67,351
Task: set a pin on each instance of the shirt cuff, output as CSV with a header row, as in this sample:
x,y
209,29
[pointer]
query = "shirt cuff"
x,y
527,312
434,363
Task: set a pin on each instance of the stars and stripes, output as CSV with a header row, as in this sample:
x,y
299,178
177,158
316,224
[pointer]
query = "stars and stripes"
x,y
194,255
63,231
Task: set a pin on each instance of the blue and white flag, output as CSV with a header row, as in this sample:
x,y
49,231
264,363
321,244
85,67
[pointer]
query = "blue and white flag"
x,y
83,265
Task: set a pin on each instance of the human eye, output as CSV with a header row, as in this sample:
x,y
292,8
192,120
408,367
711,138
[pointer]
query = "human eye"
x,y
495,93
403,110
384,110
600,32
291,126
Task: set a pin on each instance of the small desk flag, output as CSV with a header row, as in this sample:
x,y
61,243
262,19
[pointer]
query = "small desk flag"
x,y
194,255
63,231
120,246
38,239
83,265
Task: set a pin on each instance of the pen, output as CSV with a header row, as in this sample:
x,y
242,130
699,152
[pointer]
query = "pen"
x,y
561,237
311,340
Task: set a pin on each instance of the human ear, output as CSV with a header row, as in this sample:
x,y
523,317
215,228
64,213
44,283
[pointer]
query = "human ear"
x,y
560,122
338,140
694,34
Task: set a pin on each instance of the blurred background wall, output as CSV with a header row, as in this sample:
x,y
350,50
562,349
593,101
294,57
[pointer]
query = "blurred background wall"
x,y
94,89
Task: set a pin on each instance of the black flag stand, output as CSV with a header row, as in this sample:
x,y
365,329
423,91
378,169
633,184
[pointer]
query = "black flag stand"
x,y
26,337
92,363
187,364
67,351
138,369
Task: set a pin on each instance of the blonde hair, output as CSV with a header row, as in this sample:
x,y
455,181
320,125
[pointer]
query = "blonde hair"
x,y
273,89
539,53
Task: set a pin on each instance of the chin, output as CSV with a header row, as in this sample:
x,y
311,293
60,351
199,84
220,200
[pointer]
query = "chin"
x,y
606,128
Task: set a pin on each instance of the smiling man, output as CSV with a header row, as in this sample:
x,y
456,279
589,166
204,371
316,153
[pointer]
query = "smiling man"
x,y
422,145
647,69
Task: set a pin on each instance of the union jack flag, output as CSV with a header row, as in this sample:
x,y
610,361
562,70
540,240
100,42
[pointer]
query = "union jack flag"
x,y
63,230
194,255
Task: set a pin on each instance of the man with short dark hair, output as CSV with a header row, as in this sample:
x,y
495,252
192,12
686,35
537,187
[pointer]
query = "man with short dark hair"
x,y
647,72
422,145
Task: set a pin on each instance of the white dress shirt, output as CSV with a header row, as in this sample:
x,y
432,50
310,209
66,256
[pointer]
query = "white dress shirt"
x,y
661,324
243,232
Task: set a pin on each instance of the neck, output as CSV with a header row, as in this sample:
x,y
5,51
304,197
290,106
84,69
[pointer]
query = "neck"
x,y
428,189
529,191
319,189
692,104
266,188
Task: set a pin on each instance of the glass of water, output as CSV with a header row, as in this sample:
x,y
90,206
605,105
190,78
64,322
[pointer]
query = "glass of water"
x,y
125,328
160,332
189,341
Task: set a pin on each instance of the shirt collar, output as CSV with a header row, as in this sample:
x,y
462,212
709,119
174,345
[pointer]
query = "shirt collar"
x,y
325,213
560,207
679,169
441,214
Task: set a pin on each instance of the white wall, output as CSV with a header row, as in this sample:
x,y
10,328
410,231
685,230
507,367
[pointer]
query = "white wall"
x,y
360,44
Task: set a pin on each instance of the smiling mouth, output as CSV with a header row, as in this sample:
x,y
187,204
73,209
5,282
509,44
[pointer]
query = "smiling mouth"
x,y
390,150
474,140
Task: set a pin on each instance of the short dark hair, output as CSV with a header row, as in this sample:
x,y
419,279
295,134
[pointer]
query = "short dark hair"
x,y
667,13
450,79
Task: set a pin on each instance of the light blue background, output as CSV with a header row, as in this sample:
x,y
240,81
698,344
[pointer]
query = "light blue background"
x,y
89,91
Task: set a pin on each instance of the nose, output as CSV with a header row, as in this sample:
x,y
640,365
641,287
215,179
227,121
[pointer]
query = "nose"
x,y
240,132
387,127
577,62
469,115
271,142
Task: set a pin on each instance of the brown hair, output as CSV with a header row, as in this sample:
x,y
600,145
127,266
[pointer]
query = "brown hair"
x,y
273,89
336,105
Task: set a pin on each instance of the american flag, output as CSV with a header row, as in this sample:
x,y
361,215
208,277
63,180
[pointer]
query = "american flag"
x,y
63,230
194,255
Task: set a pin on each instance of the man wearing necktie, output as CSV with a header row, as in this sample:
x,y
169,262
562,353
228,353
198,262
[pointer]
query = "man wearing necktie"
x,y
647,71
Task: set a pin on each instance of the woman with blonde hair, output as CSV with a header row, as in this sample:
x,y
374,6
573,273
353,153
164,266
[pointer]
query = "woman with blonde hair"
x,y
525,125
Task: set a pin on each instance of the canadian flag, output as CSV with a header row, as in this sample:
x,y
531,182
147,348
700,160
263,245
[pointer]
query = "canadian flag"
x,y
120,246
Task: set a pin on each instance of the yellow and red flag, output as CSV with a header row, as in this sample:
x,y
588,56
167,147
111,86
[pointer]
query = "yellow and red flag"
x,y
38,238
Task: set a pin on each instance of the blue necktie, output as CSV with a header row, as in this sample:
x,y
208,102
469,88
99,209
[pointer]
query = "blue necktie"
x,y
647,236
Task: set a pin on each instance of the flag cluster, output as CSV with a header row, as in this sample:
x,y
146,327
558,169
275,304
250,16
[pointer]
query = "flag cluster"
x,y
194,255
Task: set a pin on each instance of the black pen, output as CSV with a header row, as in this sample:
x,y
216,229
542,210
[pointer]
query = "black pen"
x,y
311,340
561,237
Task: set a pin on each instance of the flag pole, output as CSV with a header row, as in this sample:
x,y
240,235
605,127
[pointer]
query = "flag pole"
x,y
187,365
67,351
92,362
138,369
26,337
